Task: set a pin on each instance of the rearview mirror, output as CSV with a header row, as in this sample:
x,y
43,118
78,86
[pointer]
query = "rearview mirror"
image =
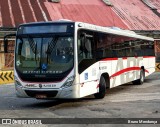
x,y
6,42
20,48
5,45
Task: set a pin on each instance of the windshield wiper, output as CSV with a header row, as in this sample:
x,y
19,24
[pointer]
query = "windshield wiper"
x,y
33,46
51,46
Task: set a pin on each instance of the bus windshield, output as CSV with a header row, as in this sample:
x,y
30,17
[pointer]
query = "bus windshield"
x,y
44,56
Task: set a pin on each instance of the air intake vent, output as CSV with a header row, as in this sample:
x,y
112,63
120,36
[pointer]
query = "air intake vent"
x,y
108,2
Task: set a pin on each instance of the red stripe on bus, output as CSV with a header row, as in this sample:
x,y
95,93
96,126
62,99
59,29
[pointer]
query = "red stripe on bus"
x,y
126,70
148,56
146,71
107,59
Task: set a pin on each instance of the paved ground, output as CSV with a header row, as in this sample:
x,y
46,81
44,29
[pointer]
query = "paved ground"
x,y
126,101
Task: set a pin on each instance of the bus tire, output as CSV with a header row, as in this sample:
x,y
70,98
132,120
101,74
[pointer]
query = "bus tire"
x,y
102,89
140,81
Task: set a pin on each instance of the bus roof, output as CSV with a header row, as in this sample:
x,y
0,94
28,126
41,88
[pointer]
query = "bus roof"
x,y
110,30
113,30
49,22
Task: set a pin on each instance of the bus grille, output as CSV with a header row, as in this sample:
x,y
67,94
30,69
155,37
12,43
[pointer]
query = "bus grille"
x,y
33,93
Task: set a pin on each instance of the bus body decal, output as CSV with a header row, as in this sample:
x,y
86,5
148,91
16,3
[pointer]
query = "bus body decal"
x,y
126,70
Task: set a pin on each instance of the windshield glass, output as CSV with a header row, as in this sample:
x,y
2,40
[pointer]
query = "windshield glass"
x,y
44,56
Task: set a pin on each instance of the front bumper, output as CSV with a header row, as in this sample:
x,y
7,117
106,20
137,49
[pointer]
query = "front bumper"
x,y
69,92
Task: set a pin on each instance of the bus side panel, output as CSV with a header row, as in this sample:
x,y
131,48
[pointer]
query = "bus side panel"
x,y
89,80
105,67
125,70
150,66
118,75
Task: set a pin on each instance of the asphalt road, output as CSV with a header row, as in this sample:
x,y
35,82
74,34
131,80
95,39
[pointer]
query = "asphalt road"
x,y
125,101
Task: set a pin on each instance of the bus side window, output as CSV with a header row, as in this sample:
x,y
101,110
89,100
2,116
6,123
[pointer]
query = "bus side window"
x,y
81,55
85,47
85,51
88,49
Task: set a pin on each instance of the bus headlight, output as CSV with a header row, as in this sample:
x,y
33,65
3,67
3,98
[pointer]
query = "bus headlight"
x,y
69,82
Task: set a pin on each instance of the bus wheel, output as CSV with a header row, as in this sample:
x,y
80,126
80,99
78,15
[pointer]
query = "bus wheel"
x,y
140,81
102,89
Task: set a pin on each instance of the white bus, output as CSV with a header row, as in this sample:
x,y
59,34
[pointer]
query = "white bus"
x,y
66,59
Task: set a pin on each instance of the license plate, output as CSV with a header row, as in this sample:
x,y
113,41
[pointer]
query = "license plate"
x,y
40,96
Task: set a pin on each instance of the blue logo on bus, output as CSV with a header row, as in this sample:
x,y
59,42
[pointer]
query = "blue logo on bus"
x,y
44,66
86,76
